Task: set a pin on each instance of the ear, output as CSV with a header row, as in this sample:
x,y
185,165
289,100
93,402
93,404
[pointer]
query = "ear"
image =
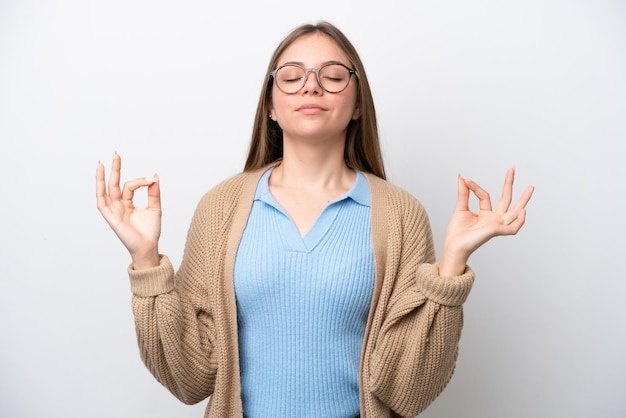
x,y
357,113
271,114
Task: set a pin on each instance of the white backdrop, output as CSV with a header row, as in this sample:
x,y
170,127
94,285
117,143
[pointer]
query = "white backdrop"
x,y
470,87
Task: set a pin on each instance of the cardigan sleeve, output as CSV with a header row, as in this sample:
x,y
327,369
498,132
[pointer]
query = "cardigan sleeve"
x,y
417,342
174,320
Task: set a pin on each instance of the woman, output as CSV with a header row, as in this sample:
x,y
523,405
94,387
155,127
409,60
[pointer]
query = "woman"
x,y
309,285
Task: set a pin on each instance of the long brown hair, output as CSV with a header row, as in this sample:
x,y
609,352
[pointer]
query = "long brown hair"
x,y
362,149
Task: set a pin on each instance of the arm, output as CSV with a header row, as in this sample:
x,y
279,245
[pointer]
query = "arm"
x,y
421,315
174,331
175,335
417,345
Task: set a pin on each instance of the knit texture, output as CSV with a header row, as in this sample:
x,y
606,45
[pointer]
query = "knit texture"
x,y
302,306
187,323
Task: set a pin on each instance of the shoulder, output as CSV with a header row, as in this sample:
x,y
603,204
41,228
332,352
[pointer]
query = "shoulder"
x,y
233,187
392,198
400,224
230,193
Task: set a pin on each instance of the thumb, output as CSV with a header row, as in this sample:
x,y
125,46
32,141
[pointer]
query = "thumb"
x,y
154,193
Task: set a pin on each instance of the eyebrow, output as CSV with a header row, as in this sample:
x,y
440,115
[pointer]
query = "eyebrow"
x,y
301,64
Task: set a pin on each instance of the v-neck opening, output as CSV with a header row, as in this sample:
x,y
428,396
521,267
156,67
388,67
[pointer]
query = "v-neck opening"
x,y
292,238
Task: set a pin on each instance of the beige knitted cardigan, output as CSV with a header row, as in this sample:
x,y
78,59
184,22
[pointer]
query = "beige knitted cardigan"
x,y
187,322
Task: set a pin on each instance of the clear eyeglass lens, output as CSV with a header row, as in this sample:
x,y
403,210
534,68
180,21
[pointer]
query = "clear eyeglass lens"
x,y
334,78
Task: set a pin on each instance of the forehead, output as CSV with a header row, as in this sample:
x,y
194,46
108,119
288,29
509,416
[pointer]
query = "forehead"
x,y
313,50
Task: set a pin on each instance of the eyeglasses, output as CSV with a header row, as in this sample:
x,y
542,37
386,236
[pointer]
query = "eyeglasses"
x,y
333,77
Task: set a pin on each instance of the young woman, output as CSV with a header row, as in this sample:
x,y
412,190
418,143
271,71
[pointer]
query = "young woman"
x,y
309,285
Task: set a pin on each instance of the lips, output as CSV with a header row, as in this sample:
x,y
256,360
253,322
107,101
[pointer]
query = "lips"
x,y
310,106
310,109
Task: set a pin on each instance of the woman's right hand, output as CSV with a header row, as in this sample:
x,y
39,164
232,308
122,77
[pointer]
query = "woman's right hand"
x,y
139,229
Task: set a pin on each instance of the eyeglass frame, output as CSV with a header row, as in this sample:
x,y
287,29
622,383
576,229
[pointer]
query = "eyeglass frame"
x,y
351,72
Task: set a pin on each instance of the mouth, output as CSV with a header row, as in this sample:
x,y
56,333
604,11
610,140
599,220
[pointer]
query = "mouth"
x,y
310,109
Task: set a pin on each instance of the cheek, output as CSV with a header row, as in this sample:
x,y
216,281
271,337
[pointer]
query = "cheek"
x,y
276,104
356,114
356,111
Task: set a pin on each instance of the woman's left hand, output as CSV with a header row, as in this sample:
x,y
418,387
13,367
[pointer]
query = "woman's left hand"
x,y
467,230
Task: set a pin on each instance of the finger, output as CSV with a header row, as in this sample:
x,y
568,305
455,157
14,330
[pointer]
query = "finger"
x,y
114,180
517,223
103,200
524,199
484,200
128,192
154,194
507,191
101,197
462,200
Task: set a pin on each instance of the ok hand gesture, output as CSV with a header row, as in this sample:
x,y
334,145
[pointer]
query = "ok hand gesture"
x,y
139,229
467,231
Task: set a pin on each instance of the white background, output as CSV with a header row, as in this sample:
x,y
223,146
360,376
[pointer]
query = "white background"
x,y
460,86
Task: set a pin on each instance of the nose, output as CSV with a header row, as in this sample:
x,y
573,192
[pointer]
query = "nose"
x,y
311,84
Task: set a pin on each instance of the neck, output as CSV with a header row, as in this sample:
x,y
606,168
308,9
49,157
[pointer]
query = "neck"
x,y
306,165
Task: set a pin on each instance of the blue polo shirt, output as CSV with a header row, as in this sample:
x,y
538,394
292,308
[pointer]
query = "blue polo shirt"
x,y
302,306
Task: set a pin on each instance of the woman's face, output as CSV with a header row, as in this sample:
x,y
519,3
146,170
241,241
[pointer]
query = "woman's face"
x,y
312,113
